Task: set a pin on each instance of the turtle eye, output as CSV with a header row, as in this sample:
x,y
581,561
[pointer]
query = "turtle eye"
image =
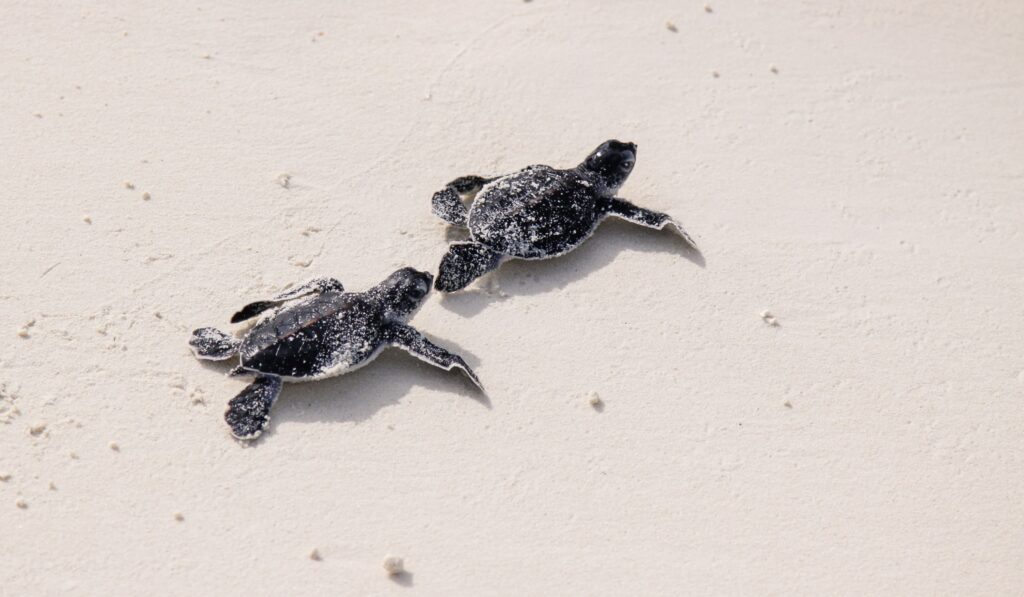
x,y
626,165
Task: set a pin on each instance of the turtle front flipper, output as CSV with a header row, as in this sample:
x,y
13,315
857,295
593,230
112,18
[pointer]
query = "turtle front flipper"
x,y
620,208
447,203
464,262
409,338
248,413
212,344
313,286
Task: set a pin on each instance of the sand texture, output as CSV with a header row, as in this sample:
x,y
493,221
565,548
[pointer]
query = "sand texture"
x,y
832,405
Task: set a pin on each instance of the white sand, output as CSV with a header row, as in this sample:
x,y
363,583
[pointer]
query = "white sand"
x,y
868,195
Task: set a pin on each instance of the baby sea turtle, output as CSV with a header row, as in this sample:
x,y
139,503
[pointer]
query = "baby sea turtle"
x,y
327,332
537,213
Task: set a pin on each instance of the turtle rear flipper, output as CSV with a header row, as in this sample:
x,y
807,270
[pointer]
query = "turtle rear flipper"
x,y
464,263
447,203
212,344
248,413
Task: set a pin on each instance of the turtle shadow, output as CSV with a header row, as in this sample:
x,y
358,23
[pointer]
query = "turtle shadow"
x,y
524,278
356,397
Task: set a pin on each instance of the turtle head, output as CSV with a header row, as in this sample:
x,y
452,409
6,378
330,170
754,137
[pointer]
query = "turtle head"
x,y
403,292
611,164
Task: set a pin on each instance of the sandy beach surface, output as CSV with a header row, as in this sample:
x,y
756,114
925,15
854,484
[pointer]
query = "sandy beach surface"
x,y
855,169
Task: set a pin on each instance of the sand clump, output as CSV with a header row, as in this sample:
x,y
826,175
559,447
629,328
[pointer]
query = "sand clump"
x,y
394,565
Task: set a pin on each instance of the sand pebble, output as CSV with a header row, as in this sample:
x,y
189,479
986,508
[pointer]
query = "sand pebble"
x,y
37,114
21,504
73,455
5,477
87,219
146,196
206,56
23,332
715,74
285,180
52,486
671,27
315,555
769,319
595,401
129,185
179,516
787,404
113,446
37,430
774,69
707,8
394,565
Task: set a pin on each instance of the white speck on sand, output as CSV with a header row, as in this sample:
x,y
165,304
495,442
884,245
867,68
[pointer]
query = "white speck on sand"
x,y
285,180
671,27
129,185
394,565
37,429
768,318
52,486
595,401
21,503
87,219
179,516
146,196
5,477
114,446
315,555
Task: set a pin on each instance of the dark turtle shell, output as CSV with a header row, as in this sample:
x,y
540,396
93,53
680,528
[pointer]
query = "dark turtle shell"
x,y
536,213
326,334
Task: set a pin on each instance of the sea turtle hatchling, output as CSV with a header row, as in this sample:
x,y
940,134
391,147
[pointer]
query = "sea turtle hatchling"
x,y
537,213
324,332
